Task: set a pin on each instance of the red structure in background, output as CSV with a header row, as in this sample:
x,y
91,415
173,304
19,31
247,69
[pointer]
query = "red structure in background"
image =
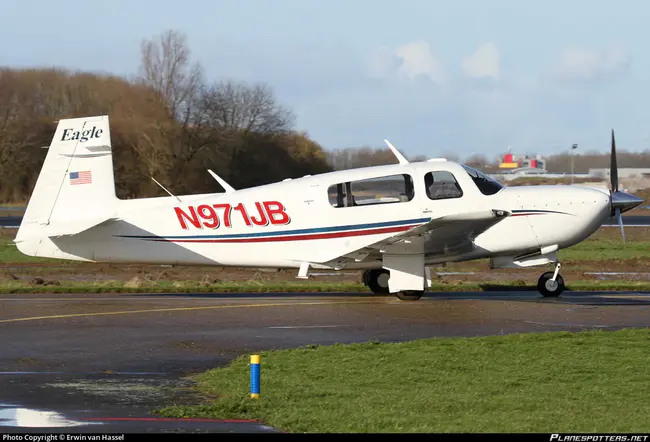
x,y
510,161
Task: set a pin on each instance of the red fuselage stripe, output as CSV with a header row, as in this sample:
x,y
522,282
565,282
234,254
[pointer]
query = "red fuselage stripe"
x,y
298,237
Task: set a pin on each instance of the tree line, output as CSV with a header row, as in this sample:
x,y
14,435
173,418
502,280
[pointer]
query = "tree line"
x,y
350,158
168,122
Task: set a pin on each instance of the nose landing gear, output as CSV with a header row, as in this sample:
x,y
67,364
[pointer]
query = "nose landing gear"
x,y
551,284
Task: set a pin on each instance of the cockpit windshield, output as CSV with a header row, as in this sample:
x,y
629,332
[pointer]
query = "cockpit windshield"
x,y
487,185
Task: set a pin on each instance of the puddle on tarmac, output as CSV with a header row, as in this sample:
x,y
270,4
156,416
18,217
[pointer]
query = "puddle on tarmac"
x,y
12,416
140,391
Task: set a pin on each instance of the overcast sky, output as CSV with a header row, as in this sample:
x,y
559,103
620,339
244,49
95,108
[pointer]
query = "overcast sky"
x,y
434,77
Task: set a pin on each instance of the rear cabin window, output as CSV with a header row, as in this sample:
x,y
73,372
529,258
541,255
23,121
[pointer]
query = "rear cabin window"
x,y
383,190
442,185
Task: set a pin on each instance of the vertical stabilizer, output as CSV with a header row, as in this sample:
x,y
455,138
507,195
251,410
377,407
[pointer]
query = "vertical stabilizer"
x,y
76,183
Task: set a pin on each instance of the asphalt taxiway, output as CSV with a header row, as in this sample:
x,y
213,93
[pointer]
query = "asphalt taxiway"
x,y
101,363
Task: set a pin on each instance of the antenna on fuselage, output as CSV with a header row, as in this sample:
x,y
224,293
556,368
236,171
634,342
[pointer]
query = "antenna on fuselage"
x,y
163,188
227,187
400,157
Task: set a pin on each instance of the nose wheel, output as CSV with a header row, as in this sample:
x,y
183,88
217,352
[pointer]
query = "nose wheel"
x,y
551,284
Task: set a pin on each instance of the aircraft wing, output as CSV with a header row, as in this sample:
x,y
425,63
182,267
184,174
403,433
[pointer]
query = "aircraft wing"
x,y
451,234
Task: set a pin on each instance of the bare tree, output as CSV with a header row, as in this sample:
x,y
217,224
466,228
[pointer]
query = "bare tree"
x,y
418,158
165,66
230,105
355,157
229,115
451,156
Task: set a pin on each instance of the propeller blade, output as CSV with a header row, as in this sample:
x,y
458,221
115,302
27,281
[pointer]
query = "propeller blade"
x,y
613,170
619,219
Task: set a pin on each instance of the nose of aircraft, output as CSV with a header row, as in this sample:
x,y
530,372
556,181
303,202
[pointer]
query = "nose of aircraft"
x,y
624,201
620,201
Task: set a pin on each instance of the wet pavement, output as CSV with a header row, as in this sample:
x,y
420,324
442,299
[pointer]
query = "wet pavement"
x,y
101,363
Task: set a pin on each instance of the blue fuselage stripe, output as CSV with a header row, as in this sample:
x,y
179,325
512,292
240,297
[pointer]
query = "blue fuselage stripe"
x,y
291,232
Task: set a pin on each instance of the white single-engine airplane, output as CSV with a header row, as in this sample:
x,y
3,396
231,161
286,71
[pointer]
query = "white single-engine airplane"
x,y
391,221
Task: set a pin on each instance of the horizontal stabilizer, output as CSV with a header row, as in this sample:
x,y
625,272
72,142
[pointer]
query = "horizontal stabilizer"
x,y
227,187
397,153
69,228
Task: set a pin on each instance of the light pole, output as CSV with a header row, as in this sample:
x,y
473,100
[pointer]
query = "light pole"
x,y
574,147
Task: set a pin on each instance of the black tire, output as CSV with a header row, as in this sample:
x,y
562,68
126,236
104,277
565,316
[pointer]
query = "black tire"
x,y
548,290
378,281
409,295
365,277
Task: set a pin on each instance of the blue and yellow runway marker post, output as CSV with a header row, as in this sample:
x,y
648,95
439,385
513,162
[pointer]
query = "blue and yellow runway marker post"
x,y
255,376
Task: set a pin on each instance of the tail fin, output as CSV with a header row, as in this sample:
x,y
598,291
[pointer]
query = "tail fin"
x,y
76,185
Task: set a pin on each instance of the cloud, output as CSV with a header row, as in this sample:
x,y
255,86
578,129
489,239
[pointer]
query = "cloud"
x,y
410,61
580,64
419,60
483,63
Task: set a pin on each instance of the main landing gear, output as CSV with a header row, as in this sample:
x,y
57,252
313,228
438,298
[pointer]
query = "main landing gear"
x,y
551,284
377,281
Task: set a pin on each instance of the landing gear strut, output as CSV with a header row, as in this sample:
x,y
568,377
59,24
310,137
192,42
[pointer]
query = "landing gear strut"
x,y
551,284
377,281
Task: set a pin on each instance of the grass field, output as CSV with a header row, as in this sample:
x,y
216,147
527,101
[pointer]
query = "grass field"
x,y
549,382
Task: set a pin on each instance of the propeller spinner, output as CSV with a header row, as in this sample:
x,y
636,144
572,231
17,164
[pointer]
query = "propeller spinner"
x,y
620,201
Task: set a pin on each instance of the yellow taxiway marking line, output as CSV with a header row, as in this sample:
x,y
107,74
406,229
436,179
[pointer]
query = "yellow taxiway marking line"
x,y
181,309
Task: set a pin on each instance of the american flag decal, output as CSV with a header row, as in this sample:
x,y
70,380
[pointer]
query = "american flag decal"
x,y
84,177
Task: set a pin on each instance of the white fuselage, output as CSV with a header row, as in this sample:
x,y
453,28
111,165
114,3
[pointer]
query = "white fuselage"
x,y
283,224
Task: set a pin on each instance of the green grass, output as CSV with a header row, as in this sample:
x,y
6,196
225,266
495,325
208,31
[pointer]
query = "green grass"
x,y
285,286
9,254
604,250
548,382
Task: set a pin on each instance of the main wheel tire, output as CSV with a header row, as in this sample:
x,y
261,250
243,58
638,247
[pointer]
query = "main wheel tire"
x,y
409,295
549,288
378,281
365,277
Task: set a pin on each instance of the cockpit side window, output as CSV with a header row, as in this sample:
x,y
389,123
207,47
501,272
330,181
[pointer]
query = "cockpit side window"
x,y
380,190
442,185
487,185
